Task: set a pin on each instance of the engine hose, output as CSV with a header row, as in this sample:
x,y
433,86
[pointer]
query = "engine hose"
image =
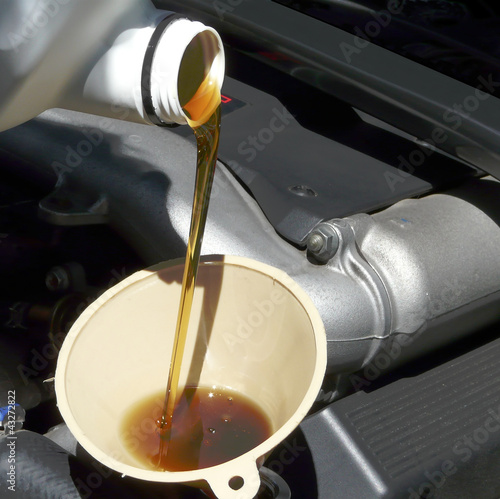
x,y
44,470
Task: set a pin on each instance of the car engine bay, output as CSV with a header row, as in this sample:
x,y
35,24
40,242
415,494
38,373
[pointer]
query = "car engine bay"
x,y
392,231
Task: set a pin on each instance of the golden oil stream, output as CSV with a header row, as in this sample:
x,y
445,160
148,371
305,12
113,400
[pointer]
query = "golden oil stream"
x,y
203,111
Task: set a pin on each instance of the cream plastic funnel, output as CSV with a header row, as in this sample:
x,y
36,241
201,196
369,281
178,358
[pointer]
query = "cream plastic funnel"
x,y
254,330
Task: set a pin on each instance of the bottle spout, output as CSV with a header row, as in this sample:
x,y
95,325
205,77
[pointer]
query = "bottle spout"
x,y
187,73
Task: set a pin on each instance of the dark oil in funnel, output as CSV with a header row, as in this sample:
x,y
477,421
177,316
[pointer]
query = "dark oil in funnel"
x,y
210,427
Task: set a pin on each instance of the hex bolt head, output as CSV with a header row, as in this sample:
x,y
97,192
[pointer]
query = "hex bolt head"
x,y
315,243
323,242
57,279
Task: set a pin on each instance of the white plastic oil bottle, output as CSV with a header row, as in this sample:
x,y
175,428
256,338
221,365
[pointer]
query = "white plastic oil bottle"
x,y
118,58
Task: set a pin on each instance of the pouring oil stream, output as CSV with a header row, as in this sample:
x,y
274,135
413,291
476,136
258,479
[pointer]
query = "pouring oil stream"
x,y
203,111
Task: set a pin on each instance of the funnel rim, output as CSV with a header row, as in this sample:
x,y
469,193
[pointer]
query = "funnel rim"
x,y
254,454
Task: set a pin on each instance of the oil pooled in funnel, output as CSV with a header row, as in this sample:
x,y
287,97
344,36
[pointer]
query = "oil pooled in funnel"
x,y
210,427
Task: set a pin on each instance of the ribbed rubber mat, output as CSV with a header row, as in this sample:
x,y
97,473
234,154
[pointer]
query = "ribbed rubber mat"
x,y
434,435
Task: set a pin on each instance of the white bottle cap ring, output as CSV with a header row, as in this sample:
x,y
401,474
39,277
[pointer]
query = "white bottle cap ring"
x,y
147,99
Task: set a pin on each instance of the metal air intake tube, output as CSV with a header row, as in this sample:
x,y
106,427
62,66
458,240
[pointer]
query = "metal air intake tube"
x,y
428,269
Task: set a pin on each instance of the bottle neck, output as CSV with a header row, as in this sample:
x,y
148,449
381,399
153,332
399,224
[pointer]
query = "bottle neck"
x,y
149,74
184,56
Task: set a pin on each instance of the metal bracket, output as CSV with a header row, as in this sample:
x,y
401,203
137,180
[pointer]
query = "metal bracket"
x,y
68,206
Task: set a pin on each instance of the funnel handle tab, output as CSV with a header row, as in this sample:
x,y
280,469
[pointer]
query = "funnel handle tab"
x,y
240,480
